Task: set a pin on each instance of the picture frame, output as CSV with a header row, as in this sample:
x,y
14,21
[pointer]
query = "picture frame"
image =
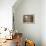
x,y
28,19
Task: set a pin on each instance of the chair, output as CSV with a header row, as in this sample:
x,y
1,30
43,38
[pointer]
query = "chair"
x,y
29,43
18,39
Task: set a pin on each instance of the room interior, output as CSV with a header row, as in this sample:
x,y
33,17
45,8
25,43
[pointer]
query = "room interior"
x,y
22,23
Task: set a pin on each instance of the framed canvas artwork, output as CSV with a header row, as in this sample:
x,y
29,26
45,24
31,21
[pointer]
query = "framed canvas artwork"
x,y
28,18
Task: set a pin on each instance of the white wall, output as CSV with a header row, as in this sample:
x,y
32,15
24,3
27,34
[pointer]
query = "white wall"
x,y
6,13
43,22
32,30
6,18
37,31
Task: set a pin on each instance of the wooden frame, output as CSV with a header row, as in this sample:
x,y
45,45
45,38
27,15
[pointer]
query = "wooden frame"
x,y
28,18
